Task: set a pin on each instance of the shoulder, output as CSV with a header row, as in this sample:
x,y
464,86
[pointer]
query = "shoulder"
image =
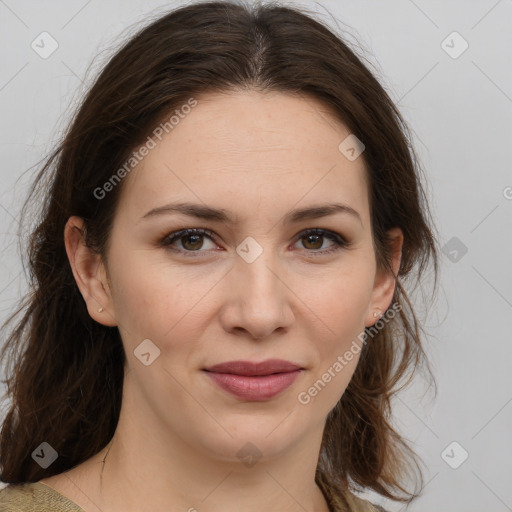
x,y
34,497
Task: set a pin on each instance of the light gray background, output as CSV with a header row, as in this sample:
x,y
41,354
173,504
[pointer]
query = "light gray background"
x,y
460,111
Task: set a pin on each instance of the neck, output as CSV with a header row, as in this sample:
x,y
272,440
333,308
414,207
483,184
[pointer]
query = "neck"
x,y
146,467
189,481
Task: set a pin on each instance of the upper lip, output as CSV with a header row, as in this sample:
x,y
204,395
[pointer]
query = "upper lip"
x,y
250,368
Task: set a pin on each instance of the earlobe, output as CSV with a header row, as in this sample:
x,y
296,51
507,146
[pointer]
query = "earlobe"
x,y
89,273
385,280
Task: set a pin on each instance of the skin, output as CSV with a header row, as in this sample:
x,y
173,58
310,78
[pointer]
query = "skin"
x,y
258,156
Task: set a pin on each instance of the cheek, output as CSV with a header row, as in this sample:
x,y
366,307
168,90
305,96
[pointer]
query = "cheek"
x,y
342,307
344,299
155,300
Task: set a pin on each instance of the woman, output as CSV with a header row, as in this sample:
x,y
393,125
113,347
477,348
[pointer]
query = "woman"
x,y
217,319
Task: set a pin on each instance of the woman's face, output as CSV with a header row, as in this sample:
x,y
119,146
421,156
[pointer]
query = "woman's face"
x,y
255,287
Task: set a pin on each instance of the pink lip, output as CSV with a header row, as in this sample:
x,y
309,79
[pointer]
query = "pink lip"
x,y
254,381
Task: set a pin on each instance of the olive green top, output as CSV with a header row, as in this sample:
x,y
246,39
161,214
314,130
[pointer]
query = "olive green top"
x,y
39,497
35,497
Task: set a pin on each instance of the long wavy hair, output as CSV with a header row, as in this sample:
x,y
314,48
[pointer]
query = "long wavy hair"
x,y
64,371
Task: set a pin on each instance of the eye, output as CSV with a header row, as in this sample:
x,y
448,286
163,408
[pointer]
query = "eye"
x,y
316,236
192,240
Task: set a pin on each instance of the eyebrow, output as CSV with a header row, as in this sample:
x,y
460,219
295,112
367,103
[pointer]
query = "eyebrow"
x,y
204,212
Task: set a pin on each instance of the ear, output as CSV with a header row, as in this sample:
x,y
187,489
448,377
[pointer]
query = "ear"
x,y
89,273
385,281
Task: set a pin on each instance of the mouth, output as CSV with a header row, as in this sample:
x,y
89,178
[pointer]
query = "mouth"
x,y
252,369
254,381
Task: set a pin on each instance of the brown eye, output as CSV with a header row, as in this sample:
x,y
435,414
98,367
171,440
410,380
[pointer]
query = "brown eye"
x,y
313,240
192,240
196,242
316,241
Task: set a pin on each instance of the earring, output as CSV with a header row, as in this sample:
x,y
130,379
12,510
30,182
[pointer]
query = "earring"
x,y
100,310
376,314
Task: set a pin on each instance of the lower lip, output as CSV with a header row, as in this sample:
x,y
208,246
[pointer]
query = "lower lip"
x,y
254,388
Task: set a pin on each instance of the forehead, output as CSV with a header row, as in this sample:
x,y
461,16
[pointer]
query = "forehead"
x,y
251,150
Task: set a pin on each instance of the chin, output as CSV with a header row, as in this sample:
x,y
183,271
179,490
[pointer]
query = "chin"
x,y
254,438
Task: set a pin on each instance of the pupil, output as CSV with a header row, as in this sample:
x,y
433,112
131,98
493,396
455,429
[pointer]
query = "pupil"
x,y
317,237
196,237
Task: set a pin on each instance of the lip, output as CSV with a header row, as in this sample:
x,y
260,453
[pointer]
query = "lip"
x,y
254,381
250,368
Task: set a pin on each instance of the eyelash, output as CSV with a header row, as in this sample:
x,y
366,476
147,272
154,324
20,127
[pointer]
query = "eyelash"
x,y
340,242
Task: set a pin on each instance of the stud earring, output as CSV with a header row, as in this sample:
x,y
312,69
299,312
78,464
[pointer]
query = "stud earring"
x,y
376,314
100,310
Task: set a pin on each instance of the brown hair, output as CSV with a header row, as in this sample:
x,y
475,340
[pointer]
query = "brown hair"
x,y
66,373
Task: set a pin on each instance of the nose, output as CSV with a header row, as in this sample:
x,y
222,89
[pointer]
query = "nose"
x,y
258,300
